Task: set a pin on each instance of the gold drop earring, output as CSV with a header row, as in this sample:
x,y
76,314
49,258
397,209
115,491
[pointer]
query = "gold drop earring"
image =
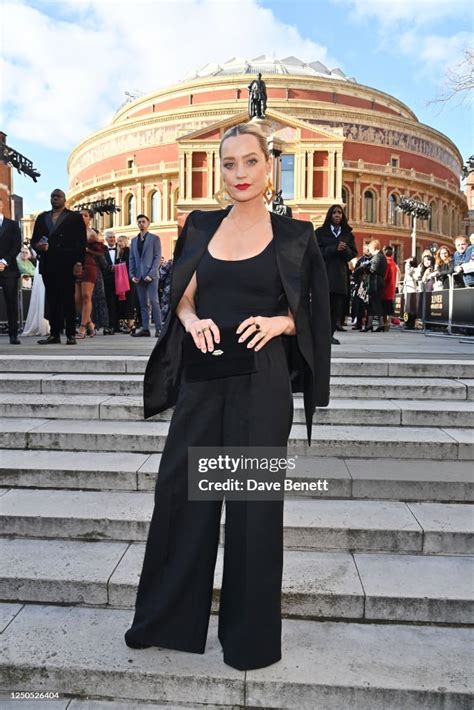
x,y
269,193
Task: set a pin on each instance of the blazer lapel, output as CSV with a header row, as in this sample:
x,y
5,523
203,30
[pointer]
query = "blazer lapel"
x,y
53,226
291,243
197,239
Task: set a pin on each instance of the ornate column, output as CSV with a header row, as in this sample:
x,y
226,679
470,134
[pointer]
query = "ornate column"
x,y
309,191
299,175
210,172
383,202
217,168
165,216
189,175
331,174
357,212
340,166
182,173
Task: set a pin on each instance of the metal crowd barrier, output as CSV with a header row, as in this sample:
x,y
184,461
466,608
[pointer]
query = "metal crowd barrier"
x,y
437,310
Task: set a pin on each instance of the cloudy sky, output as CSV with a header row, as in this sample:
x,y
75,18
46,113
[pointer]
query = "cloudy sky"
x,y
65,66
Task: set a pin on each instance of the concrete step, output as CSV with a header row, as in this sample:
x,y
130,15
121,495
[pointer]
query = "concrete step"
x,y
381,412
341,387
149,437
340,366
325,665
310,524
337,585
392,479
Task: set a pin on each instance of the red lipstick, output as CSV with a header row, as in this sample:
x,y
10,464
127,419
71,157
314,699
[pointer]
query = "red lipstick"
x,y
242,186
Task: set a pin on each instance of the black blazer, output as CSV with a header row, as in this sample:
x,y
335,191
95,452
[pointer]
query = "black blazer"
x,y
336,261
67,241
377,271
10,246
305,283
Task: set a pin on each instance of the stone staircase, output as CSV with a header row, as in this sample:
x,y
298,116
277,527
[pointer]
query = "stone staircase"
x,y
378,573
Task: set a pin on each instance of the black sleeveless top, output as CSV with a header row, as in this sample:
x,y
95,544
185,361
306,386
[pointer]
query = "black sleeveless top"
x,y
230,291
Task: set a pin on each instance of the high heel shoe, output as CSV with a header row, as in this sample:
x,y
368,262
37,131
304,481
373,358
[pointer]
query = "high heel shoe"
x,y
81,334
369,329
380,329
91,329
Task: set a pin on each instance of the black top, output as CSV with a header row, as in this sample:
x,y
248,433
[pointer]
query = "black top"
x,y
230,291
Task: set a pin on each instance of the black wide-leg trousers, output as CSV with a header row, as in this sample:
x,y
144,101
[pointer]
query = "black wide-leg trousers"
x,y
175,589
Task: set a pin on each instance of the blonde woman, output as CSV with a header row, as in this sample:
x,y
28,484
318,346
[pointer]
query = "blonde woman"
x,y
253,284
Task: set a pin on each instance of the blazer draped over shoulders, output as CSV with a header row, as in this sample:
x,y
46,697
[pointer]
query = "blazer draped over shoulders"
x,y
303,275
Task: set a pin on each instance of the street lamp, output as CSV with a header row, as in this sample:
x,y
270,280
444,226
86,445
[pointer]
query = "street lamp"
x,y
418,210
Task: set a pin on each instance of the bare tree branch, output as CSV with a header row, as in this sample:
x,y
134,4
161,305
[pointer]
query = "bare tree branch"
x,y
459,80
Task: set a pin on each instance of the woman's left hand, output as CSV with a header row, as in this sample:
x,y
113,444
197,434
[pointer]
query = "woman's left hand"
x,y
264,329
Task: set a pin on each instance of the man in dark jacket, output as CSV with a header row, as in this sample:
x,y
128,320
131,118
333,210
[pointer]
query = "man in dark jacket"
x,y
60,240
10,245
337,246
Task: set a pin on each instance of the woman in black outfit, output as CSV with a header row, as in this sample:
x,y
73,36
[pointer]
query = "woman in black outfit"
x,y
240,274
376,272
337,246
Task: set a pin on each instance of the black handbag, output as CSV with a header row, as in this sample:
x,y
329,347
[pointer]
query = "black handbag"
x,y
229,357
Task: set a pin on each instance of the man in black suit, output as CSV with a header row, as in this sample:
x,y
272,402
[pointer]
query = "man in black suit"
x,y
60,240
10,245
110,256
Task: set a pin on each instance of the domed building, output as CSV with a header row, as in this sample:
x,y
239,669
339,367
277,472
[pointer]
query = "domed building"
x,y
333,140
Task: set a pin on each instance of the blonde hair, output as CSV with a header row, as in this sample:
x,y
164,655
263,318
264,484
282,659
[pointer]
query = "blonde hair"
x,y
375,244
247,129
125,239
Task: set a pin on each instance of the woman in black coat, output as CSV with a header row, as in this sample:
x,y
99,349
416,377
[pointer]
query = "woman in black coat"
x,y
337,246
249,287
376,269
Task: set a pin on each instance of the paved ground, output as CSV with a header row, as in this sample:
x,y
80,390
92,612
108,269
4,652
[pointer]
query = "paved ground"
x,y
396,344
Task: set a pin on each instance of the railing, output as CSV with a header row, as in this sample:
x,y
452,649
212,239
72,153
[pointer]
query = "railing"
x,y
157,168
400,172
437,310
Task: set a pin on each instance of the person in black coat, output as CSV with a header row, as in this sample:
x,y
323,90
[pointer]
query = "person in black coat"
x,y
376,270
10,245
337,246
60,240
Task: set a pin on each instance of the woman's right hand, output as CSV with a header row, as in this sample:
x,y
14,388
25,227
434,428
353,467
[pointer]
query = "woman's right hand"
x,y
205,333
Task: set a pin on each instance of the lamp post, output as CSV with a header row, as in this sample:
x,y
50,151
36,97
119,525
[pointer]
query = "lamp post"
x,y
418,210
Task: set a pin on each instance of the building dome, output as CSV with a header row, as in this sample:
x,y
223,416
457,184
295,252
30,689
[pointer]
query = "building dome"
x,y
267,66
333,140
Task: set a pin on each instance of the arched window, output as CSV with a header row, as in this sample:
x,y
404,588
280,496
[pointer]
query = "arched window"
x,y
394,215
155,205
433,222
130,209
369,206
445,221
345,200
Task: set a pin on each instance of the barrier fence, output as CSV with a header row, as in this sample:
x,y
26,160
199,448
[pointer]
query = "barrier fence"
x,y
437,310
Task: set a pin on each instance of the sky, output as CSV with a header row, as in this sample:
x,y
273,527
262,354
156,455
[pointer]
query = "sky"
x,y
65,66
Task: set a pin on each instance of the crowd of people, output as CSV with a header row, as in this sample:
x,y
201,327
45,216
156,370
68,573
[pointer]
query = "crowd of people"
x,y
365,287
110,283
83,280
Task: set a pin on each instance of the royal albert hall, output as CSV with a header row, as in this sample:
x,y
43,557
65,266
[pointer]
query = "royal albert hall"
x,y
333,140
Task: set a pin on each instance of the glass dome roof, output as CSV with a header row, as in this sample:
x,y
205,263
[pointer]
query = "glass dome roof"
x,y
267,65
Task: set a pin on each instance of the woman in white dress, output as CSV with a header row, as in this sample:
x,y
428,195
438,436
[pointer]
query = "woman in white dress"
x,y
36,323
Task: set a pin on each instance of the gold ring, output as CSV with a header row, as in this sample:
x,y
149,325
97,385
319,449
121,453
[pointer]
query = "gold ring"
x,y
204,329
